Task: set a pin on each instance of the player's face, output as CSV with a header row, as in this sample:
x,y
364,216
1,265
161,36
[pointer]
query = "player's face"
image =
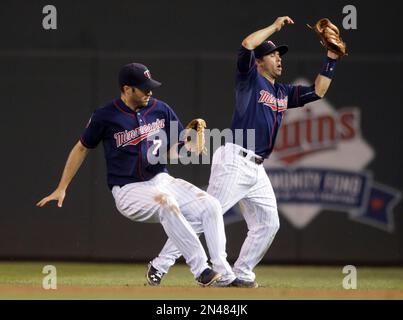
x,y
271,64
139,97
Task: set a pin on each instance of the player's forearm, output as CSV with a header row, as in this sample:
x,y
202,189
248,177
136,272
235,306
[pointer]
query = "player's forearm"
x,y
257,37
322,84
73,163
323,80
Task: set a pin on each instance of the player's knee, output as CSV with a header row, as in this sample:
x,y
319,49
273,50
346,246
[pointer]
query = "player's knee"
x,y
212,205
215,204
270,224
167,203
276,225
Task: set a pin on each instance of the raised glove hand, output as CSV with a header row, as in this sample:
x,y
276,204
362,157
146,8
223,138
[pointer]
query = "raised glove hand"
x,y
194,136
330,37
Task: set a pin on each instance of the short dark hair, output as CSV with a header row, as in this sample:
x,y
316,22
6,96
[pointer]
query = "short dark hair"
x,y
121,87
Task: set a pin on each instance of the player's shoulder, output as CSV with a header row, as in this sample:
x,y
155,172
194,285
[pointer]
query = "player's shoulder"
x,y
167,110
161,104
157,102
111,105
104,111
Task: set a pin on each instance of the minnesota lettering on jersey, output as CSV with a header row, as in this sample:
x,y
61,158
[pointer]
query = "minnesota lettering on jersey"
x,y
269,100
133,137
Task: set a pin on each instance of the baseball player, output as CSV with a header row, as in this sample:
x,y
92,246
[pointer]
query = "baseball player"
x,y
129,128
237,173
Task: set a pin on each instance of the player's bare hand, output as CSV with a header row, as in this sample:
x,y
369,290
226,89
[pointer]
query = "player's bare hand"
x,y
57,195
281,21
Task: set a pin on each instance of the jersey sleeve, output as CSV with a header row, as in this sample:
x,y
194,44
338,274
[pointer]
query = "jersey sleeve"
x,y
93,132
245,77
246,67
298,96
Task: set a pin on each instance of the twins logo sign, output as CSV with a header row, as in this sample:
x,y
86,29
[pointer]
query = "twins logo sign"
x,y
319,164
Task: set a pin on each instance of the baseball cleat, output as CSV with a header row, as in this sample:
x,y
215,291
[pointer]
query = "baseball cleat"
x,y
222,283
153,276
243,284
208,277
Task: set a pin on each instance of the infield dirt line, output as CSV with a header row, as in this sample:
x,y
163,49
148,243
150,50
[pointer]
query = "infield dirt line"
x,y
173,293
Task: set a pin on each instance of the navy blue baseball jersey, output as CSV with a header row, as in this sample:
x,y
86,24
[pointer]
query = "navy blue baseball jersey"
x,y
126,138
260,105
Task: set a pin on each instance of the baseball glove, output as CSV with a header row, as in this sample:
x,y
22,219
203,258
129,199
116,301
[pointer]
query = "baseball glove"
x,y
194,136
330,37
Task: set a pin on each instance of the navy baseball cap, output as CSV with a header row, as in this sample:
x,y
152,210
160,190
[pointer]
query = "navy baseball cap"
x,y
137,75
268,47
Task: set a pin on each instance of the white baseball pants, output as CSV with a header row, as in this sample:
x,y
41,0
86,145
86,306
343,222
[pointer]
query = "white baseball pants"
x,y
235,178
181,208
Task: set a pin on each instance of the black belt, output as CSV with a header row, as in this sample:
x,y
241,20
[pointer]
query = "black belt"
x,y
253,158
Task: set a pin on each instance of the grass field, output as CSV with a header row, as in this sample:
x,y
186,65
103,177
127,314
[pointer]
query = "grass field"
x,y
22,280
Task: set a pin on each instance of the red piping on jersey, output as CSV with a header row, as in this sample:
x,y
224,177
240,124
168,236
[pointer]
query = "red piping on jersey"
x,y
139,162
144,116
145,113
275,119
139,145
272,131
121,110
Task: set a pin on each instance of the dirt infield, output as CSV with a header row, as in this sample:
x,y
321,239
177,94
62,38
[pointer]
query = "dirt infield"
x,y
180,293
23,280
